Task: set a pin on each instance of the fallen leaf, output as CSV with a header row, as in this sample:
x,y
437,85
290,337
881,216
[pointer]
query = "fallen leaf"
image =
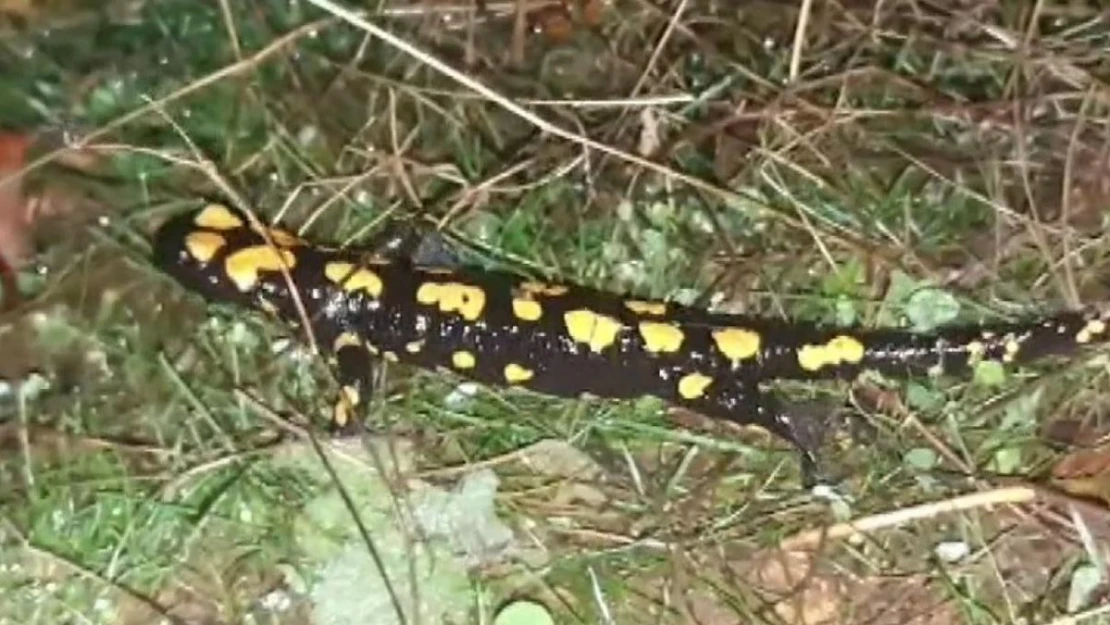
x,y
15,245
806,597
1083,463
553,21
1084,473
28,201
555,458
18,8
591,11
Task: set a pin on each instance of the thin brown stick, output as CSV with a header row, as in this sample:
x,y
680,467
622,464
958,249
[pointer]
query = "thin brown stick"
x,y
812,538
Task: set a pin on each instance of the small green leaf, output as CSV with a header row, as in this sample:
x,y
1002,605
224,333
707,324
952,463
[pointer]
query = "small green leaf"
x,y
901,287
929,308
1084,581
1007,460
921,458
846,311
1022,412
990,373
923,398
524,613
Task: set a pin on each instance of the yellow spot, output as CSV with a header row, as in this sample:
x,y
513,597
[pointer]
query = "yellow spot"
x,y
283,238
693,385
468,301
439,271
597,331
351,394
661,337
414,347
348,400
515,373
527,309
737,343
542,288
841,349
463,360
1013,346
350,279
646,308
390,356
975,351
203,246
244,266
217,217
1093,328
346,339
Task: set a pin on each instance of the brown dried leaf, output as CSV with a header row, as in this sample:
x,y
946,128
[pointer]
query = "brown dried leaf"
x,y
1083,463
15,242
17,8
592,12
1085,473
554,22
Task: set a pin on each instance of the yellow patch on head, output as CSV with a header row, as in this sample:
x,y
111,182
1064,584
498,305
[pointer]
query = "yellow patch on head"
x,y
217,217
542,288
463,360
737,343
646,308
527,309
469,301
284,238
597,331
204,246
661,337
514,373
346,339
693,385
244,266
351,279
839,350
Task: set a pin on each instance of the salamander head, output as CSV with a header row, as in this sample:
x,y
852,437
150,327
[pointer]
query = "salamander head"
x,y
215,252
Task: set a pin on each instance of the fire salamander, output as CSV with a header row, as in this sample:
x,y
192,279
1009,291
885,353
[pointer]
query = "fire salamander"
x,y
560,339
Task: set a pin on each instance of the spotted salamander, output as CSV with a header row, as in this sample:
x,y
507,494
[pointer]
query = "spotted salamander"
x,y
560,339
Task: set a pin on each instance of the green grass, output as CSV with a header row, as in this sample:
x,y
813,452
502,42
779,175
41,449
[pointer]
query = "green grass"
x,y
887,184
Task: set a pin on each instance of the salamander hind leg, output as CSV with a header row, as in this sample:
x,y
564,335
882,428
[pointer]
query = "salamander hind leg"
x,y
354,371
746,404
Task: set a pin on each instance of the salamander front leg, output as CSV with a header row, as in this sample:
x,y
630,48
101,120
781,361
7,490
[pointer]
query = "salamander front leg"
x,y
354,370
746,404
770,413
399,240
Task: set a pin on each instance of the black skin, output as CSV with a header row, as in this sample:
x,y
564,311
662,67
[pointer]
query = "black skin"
x,y
356,327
